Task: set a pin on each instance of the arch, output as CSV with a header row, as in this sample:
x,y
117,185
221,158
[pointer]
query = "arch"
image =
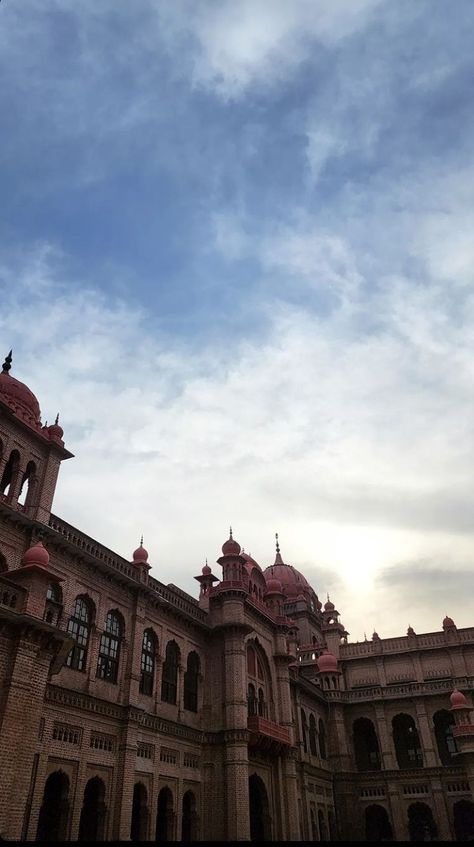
x,y
54,813
189,820
304,730
165,815
377,824
323,833
140,813
444,723
313,736
463,812
407,742
10,474
94,811
28,484
147,666
251,661
169,681
78,627
191,682
366,745
259,809
109,649
421,825
322,740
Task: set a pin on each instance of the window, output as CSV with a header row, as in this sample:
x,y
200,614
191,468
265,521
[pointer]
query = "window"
x,y
78,628
257,684
313,736
109,651
54,593
191,681
147,671
169,682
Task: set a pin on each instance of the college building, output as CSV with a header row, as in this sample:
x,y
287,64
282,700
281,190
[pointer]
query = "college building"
x,y
130,710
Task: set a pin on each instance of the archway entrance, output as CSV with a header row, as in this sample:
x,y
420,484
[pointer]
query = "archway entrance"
x,y
189,818
260,820
464,820
377,824
92,823
139,827
164,816
420,823
54,813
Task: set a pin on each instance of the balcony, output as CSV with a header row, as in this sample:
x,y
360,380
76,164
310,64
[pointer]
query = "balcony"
x,y
267,735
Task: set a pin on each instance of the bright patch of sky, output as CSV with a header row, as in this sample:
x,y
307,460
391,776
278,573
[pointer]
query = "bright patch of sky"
x,y
237,255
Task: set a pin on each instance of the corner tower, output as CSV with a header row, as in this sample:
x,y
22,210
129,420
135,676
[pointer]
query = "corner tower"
x,y
30,452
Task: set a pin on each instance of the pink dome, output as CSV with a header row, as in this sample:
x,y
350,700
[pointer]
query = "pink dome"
x,y
328,606
231,547
206,570
18,397
140,555
448,622
327,663
36,555
56,431
273,586
458,700
292,581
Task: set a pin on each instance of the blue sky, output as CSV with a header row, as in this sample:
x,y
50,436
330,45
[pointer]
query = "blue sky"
x,y
237,251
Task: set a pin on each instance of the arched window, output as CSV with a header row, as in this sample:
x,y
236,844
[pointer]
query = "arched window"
x,y
407,742
313,744
54,813
304,730
322,740
366,745
54,593
258,679
251,700
377,824
28,484
191,682
421,825
147,670
79,628
443,725
169,682
10,473
109,649
251,661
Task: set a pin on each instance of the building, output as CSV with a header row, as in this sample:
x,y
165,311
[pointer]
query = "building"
x,y
131,710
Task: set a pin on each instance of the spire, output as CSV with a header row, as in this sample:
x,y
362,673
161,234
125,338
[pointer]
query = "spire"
x,y
230,532
141,541
278,559
7,363
56,420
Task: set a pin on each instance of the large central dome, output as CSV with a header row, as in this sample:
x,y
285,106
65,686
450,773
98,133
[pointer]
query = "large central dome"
x,y
292,581
18,397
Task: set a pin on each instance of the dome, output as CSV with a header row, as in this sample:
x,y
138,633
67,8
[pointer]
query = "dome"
x,y
206,570
448,622
293,583
36,555
273,586
56,431
140,555
231,547
18,397
250,563
458,700
327,663
328,606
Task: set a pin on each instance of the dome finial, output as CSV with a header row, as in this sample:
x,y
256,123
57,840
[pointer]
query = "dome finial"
x,y
277,544
56,419
7,363
230,532
141,540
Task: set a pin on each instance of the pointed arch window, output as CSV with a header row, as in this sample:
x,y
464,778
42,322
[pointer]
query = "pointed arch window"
x,y
147,670
109,650
78,627
10,473
322,740
191,682
169,682
313,736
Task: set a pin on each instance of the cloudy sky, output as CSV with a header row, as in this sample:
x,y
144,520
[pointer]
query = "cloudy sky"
x,y
237,251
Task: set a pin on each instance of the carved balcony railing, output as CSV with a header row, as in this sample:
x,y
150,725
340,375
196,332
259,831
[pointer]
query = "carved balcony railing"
x,y
267,735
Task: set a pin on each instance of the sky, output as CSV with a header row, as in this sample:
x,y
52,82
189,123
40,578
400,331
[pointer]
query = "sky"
x,y
237,251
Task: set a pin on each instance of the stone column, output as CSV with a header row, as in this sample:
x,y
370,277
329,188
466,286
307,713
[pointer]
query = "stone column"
x,y
441,811
430,759
125,780
398,813
384,733
236,735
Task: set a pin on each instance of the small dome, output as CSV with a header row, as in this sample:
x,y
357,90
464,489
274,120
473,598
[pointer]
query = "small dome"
x,y
448,622
410,631
140,555
327,663
328,606
56,431
458,700
206,570
18,397
37,554
231,547
274,586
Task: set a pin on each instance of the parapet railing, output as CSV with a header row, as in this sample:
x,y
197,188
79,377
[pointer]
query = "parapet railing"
x,y
397,645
